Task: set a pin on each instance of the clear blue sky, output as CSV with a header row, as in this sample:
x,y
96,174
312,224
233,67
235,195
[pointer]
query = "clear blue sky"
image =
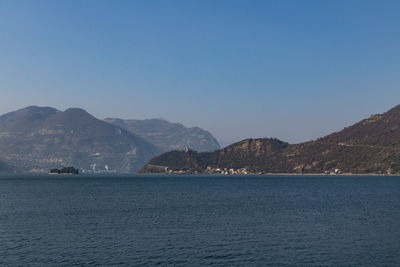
x,y
295,70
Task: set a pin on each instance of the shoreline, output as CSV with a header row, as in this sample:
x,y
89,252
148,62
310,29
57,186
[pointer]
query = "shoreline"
x,y
201,174
273,174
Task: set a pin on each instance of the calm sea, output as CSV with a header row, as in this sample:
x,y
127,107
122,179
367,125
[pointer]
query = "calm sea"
x,y
199,220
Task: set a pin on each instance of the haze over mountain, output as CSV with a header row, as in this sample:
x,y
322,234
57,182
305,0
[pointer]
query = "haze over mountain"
x,y
40,138
169,136
369,146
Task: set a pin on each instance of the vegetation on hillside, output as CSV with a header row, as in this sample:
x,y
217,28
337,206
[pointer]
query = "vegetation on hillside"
x,y
370,146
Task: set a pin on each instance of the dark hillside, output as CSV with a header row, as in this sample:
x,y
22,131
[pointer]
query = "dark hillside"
x,y
369,146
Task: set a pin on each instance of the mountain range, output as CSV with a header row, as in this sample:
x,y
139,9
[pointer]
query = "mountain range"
x,y
36,139
369,146
169,136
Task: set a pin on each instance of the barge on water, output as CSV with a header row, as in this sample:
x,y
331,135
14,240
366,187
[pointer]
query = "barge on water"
x,y
65,170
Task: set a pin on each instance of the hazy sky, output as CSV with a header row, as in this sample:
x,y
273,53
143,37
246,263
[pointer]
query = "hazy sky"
x,y
295,70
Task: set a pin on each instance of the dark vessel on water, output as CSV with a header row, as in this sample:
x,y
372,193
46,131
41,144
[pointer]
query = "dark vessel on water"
x,y
65,170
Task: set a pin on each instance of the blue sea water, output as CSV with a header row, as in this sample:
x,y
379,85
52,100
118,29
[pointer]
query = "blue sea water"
x,y
199,220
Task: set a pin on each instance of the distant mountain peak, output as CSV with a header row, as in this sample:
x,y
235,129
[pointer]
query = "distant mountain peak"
x,y
76,111
33,109
168,135
77,114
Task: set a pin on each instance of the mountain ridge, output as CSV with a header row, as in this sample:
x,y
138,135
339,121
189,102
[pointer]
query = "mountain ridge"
x,y
168,135
369,146
40,138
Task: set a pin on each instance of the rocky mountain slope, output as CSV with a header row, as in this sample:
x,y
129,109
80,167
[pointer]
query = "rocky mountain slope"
x,y
41,138
370,146
169,136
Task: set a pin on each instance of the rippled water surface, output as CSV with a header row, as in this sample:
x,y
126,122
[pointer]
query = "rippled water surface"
x,y
199,220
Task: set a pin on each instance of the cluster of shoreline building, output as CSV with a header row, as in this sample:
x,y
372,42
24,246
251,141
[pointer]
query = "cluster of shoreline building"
x,y
241,171
209,170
